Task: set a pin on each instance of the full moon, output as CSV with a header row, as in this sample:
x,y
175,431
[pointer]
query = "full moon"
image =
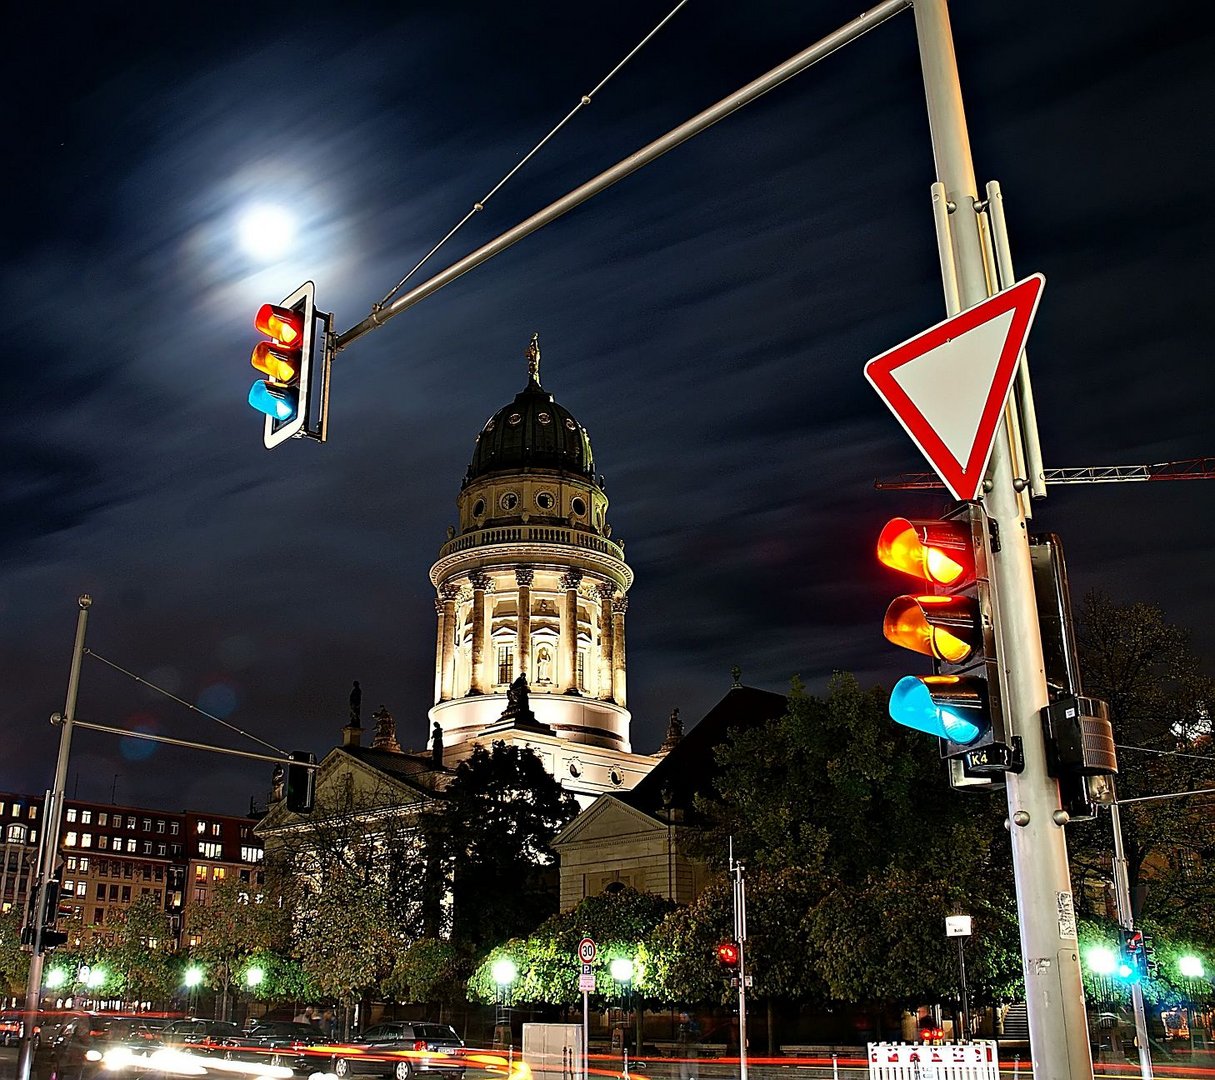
x,y
266,231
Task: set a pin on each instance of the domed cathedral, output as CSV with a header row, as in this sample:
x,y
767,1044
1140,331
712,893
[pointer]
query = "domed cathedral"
x,y
531,599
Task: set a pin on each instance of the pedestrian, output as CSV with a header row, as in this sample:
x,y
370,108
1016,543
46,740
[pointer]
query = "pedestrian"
x,y
689,1046
302,1017
329,1024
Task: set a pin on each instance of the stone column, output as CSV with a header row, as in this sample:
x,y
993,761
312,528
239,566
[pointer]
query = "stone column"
x,y
606,591
619,606
480,586
446,604
524,576
569,632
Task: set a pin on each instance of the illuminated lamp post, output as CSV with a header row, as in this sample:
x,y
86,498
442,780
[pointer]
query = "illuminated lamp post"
x,y
1191,968
504,972
193,979
622,970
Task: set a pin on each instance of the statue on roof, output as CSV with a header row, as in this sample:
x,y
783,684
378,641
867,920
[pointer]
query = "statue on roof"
x,y
533,359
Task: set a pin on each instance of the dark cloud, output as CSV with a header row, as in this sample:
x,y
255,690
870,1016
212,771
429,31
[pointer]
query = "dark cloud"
x,y
707,319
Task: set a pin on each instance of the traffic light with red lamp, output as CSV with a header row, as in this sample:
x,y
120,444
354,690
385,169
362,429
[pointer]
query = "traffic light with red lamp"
x,y
952,621
285,356
727,954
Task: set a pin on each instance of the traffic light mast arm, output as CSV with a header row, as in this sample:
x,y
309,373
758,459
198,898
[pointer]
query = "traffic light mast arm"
x,y
846,34
1050,952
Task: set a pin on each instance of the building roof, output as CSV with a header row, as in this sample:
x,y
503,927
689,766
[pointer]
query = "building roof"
x,y
416,770
532,431
689,769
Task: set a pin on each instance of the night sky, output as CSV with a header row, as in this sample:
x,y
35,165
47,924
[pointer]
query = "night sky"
x,y
707,320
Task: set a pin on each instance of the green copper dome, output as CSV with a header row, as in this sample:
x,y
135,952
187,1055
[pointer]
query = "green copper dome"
x,y
532,432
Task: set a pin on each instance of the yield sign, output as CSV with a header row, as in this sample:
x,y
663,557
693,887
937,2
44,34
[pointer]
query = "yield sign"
x,y
948,386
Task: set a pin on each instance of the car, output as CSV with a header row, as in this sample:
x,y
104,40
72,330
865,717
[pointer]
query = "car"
x,y
198,1036
12,1025
278,1042
401,1049
88,1042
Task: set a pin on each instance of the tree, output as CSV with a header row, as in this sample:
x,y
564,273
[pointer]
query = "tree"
x,y
234,926
140,954
860,810
620,922
491,839
14,964
1160,702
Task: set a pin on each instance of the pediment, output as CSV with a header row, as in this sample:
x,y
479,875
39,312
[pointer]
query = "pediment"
x,y
607,817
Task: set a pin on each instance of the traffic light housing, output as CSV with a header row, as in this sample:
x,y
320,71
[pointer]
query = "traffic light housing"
x,y
952,621
727,954
1132,960
284,356
52,937
301,782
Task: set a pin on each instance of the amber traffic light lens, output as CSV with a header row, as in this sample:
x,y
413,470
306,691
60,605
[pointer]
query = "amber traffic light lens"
x,y
280,364
909,547
942,627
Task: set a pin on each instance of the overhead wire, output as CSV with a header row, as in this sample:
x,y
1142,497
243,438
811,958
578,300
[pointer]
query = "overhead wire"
x,y
479,205
194,708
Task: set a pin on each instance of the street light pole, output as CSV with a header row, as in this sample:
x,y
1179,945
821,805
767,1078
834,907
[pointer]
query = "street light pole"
x,y
740,936
1126,919
1058,1030
52,819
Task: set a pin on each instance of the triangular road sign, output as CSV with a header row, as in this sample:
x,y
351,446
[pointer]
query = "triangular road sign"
x,y
948,386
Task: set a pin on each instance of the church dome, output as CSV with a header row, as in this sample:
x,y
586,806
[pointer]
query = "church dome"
x,y
532,431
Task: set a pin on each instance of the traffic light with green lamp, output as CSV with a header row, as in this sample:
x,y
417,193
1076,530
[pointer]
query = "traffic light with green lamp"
x,y
1132,963
952,621
285,358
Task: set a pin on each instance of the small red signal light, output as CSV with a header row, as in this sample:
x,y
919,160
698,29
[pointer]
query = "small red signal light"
x,y
280,323
727,953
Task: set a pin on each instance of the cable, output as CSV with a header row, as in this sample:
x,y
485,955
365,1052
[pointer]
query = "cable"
x,y
1168,753
480,204
195,708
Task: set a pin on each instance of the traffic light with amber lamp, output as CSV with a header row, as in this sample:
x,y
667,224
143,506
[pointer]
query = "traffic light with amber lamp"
x,y
952,621
727,954
301,782
285,358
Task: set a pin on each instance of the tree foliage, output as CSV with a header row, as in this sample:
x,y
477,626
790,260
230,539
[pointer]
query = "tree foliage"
x,y
140,954
14,964
870,849
1160,701
500,812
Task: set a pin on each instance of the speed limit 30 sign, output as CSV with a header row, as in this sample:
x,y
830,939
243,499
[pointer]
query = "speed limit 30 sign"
x,y
587,950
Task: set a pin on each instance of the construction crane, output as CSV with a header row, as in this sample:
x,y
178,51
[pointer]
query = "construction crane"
x,y
1202,468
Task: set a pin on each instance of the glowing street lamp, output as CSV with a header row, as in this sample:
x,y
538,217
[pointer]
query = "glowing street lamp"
x,y
194,976
1191,966
1100,960
255,976
95,979
55,978
504,972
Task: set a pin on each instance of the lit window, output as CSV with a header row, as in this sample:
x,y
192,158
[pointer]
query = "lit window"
x,y
86,817
160,826
71,813
80,885
33,812
200,872
103,842
131,845
84,863
506,661
202,826
216,829
130,823
86,839
103,818
16,834
218,873
173,827
71,862
580,669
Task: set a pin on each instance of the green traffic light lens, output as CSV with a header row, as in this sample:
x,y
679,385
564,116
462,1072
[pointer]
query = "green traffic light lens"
x,y
939,705
279,405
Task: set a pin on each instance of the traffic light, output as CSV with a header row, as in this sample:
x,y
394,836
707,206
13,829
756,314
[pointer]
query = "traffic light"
x,y
953,622
285,358
1132,961
301,782
727,954
51,937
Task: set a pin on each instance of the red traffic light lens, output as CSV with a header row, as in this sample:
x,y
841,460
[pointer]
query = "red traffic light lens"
x,y
282,324
935,551
727,953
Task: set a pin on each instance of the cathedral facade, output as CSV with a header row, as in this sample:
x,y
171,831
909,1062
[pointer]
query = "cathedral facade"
x,y
531,598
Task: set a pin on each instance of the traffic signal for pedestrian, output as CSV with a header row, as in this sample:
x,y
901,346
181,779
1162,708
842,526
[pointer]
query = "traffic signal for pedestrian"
x,y
727,954
1132,964
285,358
301,782
953,622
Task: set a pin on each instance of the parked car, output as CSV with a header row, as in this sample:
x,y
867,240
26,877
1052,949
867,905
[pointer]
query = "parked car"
x,y
401,1049
278,1043
12,1025
198,1036
88,1042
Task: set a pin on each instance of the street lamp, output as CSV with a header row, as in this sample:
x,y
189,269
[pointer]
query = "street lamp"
x,y
504,972
622,970
193,979
254,977
1191,968
55,978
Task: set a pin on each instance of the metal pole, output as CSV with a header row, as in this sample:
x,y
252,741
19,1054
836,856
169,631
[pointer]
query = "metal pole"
x,y
740,935
698,123
586,1037
52,819
962,972
1126,919
1049,948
